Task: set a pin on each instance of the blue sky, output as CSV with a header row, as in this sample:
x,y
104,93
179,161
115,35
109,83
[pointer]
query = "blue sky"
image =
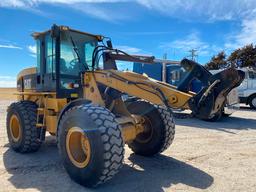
x,y
137,26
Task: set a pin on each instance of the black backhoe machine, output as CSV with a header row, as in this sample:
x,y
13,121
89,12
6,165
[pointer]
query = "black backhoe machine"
x,y
78,99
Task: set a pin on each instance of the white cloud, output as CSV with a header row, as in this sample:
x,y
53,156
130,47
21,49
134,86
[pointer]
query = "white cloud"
x,y
7,81
13,3
31,3
205,10
96,10
187,43
145,33
133,50
246,35
128,49
192,10
192,41
248,32
32,49
243,11
183,46
92,8
10,46
34,3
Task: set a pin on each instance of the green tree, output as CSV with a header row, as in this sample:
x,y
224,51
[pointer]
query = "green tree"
x,y
243,57
217,62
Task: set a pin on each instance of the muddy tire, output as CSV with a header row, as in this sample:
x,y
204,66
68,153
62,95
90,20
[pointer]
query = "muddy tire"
x,y
159,128
21,127
101,157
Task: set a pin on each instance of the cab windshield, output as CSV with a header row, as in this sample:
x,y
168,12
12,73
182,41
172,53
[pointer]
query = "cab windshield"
x,y
76,52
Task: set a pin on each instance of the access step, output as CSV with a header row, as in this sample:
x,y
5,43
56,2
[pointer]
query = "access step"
x,y
40,125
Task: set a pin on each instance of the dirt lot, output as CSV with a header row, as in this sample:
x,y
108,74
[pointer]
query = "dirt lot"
x,y
204,157
7,93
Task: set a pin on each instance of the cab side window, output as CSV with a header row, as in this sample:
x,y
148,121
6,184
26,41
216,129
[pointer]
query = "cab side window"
x,y
50,54
38,45
89,48
69,63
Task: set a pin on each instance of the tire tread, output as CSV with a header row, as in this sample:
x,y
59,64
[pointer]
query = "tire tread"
x,y
111,137
28,112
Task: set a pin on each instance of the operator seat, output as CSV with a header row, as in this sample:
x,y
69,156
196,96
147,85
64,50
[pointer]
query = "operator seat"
x,y
63,67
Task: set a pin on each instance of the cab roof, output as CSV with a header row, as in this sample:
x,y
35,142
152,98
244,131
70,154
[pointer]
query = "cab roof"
x,y
36,35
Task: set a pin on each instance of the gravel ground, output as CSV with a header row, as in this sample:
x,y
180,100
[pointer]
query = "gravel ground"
x,y
205,156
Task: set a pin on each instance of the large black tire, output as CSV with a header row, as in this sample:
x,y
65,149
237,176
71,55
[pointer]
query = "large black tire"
x,y
159,128
105,140
26,139
252,101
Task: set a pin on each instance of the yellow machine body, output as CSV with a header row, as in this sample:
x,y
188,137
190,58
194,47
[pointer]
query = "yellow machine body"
x,y
83,104
50,106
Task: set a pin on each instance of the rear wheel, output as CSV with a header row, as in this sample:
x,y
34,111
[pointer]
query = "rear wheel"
x,y
159,128
90,144
21,126
252,101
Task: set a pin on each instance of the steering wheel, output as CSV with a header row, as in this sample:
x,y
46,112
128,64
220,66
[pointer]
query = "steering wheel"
x,y
73,62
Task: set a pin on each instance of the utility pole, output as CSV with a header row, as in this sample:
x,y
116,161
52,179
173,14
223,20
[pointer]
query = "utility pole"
x,y
164,68
193,54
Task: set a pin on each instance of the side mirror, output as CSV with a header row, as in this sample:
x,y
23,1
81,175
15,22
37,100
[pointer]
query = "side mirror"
x,y
109,44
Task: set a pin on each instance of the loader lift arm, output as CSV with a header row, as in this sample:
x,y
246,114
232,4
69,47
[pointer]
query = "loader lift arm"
x,y
142,87
208,102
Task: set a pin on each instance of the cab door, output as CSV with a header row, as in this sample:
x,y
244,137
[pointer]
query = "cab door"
x,y
69,68
49,77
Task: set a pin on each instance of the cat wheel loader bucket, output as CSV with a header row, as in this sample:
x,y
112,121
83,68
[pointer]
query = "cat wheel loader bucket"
x,y
211,99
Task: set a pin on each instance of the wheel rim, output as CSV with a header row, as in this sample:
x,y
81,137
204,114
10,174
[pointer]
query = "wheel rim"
x,y
254,101
146,135
78,147
15,128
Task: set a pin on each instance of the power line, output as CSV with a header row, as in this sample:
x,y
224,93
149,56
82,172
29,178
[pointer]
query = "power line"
x,y
193,54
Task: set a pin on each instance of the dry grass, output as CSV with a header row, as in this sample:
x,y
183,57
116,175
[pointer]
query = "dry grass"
x,y
7,94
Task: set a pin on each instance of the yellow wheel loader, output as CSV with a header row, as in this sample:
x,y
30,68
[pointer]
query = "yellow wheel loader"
x,y
70,95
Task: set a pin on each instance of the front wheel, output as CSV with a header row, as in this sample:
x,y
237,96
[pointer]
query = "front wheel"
x,y
158,125
90,144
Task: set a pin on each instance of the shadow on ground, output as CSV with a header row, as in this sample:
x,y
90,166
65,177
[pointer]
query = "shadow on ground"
x,y
43,171
226,124
246,108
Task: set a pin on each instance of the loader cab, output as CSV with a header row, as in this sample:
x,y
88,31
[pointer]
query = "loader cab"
x,y
63,55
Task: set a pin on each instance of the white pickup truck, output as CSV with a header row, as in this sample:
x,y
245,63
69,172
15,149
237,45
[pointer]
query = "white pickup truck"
x,y
247,89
